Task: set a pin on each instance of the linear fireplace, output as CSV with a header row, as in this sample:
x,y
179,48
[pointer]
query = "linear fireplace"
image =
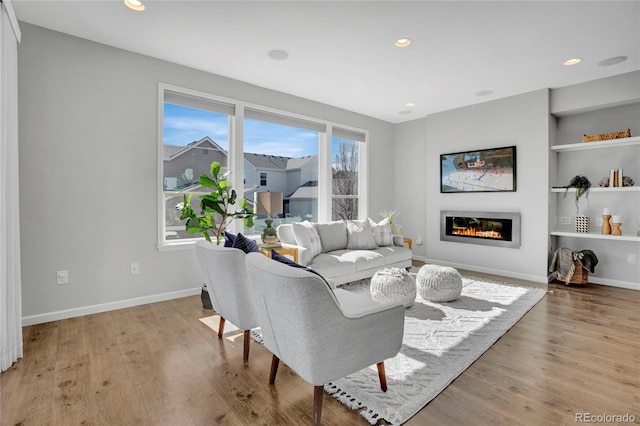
x,y
487,228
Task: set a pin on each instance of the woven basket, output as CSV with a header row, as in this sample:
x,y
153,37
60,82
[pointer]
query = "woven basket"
x,y
607,136
580,276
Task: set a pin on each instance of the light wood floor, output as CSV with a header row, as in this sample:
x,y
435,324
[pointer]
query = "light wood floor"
x,y
577,351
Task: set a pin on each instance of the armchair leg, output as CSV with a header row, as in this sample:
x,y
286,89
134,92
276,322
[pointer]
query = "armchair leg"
x,y
221,327
383,376
247,342
318,391
275,361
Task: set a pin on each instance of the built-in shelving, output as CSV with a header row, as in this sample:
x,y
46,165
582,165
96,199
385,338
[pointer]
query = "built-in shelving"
x,y
613,143
602,189
595,236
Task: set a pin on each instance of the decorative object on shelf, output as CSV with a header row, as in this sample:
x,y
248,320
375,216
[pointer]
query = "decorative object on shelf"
x,y
582,185
268,203
606,226
638,225
215,214
583,224
626,181
616,222
607,136
573,267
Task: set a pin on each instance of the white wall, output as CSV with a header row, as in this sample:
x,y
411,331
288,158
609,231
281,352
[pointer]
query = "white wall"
x,y
88,170
410,182
522,121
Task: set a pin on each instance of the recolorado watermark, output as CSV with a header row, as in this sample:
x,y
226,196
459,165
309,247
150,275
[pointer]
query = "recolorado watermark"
x,y
604,418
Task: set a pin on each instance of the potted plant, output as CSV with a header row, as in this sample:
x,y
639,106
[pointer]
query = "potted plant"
x,y
391,215
582,185
215,208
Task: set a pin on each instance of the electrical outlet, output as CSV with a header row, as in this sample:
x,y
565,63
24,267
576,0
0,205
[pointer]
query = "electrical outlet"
x,y
134,268
62,277
565,220
631,258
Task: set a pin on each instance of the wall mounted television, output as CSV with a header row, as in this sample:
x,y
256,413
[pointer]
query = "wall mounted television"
x,y
482,170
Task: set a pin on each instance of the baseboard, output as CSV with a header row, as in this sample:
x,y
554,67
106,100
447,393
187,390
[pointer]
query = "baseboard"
x,y
105,307
614,283
500,272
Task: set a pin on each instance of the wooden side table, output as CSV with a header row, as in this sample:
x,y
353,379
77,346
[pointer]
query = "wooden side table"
x,y
283,250
408,241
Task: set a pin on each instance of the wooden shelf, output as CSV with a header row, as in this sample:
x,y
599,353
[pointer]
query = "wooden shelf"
x,y
603,189
594,236
613,143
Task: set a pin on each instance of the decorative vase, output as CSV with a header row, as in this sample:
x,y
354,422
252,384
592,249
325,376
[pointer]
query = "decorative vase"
x,y
269,235
606,226
616,222
583,224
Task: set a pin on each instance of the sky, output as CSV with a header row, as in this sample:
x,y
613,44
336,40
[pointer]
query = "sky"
x,y
183,125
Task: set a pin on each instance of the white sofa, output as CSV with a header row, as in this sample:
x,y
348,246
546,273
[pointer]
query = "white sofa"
x,y
335,251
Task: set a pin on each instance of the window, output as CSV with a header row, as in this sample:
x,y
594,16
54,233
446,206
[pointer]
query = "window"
x,y
195,132
288,149
279,151
345,174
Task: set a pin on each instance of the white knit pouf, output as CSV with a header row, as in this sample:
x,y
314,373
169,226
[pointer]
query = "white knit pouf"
x,y
438,283
393,285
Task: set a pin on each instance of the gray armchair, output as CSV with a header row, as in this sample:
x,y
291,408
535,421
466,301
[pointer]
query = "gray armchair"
x,y
320,333
225,274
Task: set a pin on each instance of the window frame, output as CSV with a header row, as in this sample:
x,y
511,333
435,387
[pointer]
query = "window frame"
x,y
236,157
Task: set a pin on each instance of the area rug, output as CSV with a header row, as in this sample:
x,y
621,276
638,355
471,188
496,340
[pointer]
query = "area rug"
x,y
440,341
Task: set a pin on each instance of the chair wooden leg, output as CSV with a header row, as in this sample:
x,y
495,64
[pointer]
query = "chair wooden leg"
x,y
247,342
383,376
221,327
275,361
318,392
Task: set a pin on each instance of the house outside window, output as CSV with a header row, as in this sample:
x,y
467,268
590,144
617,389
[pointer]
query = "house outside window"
x,y
279,151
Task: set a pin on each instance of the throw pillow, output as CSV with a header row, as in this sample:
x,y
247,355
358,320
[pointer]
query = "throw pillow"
x,y
333,235
245,244
307,236
285,260
360,236
382,232
229,238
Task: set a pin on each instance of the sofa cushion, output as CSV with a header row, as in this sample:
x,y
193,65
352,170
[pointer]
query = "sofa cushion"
x,y
382,232
333,235
307,236
333,264
360,236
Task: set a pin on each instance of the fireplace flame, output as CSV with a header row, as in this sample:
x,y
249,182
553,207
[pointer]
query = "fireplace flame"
x,y
472,232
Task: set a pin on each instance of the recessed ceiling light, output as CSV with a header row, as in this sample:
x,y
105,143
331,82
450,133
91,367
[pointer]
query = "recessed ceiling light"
x,y
278,55
405,112
136,5
573,61
410,104
484,93
612,61
403,42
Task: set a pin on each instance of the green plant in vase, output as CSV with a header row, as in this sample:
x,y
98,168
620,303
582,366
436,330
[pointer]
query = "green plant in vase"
x,y
582,186
215,208
391,215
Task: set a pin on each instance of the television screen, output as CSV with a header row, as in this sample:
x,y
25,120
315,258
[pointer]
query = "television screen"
x,y
484,170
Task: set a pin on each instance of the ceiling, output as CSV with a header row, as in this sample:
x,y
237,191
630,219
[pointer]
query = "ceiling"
x,y
342,53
